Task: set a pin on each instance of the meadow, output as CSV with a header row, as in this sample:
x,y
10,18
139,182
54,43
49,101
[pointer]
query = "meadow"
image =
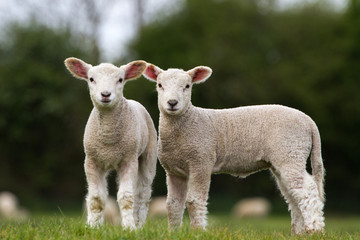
x,y
60,226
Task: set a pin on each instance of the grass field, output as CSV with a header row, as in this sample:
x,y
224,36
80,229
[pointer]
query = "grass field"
x,y
60,226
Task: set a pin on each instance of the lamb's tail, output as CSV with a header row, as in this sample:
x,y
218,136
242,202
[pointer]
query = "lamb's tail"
x,y
317,165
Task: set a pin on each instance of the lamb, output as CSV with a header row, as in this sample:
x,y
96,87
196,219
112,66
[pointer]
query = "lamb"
x,y
195,142
120,135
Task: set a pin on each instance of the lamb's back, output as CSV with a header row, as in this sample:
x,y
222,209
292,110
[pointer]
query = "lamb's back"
x,y
252,133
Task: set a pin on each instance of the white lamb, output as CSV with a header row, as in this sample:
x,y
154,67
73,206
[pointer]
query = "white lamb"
x,y
196,142
119,135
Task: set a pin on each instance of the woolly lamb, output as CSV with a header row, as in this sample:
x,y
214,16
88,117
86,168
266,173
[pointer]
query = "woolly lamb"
x,y
196,142
119,135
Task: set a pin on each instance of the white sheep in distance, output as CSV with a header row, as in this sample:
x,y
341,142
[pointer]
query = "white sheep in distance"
x,y
9,207
157,207
120,135
256,207
196,142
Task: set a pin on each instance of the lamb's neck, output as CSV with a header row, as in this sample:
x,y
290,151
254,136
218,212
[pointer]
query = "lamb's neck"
x,y
175,122
109,119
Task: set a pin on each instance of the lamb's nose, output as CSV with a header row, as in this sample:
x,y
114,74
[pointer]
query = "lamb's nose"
x,y
172,103
105,94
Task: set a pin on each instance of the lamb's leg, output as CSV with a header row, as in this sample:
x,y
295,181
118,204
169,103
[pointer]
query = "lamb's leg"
x,y
175,203
127,179
147,168
97,193
303,190
310,204
297,221
199,184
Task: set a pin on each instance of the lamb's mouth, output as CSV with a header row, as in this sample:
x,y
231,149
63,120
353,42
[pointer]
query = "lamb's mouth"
x,y
172,111
105,100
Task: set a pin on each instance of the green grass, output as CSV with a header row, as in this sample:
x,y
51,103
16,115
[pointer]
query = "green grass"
x,y
220,227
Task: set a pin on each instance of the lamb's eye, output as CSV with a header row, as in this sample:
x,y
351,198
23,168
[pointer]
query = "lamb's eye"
x,y
159,85
91,79
120,80
187,86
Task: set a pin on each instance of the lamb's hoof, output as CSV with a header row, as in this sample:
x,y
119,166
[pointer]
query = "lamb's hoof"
x,y
130,227
313,231
174,227
296,230
93,224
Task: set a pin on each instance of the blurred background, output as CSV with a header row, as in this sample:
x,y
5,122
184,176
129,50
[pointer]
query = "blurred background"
x,y
303,54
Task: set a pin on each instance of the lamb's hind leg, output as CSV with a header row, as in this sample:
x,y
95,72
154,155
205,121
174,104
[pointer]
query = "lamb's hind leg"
x,y
310,205
175,203
146,174
297,221
303,190
97,193
127,180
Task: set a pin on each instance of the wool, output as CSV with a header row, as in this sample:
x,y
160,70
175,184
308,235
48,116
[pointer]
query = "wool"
x,y
195,142
119,135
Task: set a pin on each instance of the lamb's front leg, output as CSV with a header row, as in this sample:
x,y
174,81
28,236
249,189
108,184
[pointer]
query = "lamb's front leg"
x,y
97,193
199,184
175,203
128,174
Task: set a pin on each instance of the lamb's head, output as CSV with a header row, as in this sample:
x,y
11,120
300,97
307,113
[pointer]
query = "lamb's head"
x,y
174,86
105,81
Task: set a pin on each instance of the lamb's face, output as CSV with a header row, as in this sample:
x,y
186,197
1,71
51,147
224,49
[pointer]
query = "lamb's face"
x,y
174,86
174,91
106,83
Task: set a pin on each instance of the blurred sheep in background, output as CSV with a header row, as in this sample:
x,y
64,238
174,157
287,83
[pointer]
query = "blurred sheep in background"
x,y
157,207
9,207
251,208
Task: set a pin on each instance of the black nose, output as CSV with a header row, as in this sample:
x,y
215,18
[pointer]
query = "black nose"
x,y
172,103
105,94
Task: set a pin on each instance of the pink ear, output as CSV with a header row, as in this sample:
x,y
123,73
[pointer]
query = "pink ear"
x,y
80,69
134,69
200,74
152,72
77,67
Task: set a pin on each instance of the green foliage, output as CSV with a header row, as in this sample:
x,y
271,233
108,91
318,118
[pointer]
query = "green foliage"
x,y
307,58
43,110
220,228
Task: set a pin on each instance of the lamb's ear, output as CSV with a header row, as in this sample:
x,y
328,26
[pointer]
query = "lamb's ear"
x,y
152,72
77,67
134,69
200,74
